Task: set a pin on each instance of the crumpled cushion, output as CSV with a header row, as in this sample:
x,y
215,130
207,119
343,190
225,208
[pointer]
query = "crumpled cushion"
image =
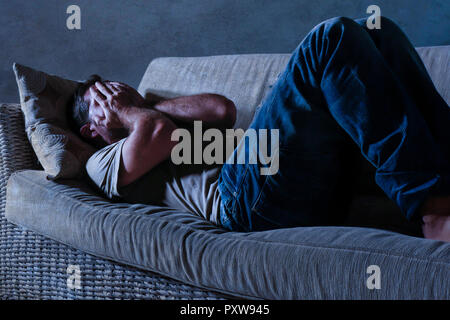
x,y
43,99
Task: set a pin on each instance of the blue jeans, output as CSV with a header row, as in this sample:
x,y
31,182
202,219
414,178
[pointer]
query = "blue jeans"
x,y
345,88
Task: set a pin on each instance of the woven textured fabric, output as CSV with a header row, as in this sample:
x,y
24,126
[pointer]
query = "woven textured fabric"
x,y
35,267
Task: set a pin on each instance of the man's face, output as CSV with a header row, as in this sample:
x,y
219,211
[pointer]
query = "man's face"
x,y
94,131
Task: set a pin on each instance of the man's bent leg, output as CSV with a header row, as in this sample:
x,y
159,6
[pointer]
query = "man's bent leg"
x,y
402,132
400,54
337,75
315,160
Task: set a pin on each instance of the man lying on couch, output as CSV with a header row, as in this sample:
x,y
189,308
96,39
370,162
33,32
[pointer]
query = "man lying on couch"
x,y
344,84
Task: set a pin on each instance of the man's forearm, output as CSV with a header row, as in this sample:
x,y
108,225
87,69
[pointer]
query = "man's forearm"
x,y
214,110
132,117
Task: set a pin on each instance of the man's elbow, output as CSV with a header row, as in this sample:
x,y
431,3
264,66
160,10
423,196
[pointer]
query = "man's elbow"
x,y
163,131
227,113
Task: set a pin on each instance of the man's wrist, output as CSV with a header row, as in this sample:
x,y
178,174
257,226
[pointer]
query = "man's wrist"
x,y
128,116
135,117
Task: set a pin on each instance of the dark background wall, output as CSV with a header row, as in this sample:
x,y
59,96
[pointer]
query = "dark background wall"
x,y
119,38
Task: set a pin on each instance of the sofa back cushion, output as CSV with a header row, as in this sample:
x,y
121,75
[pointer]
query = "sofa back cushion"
x,y
247,79
437,62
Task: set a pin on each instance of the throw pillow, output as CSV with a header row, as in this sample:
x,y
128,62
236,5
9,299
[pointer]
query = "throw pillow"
x,y
43,100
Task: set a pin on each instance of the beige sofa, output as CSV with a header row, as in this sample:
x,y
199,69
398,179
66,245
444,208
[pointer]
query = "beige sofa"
x,y
142,251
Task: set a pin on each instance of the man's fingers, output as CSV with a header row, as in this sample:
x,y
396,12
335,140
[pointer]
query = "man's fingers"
x,y
97,95
116,87
120,85
103,89
113,88
101,100
116,83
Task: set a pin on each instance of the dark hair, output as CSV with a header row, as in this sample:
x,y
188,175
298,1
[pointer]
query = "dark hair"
x,y
78,109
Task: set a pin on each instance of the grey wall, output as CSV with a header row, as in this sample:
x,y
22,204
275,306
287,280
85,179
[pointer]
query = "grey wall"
x,y
119,38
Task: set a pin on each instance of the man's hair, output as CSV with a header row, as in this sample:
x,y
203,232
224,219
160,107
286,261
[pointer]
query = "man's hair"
x,y
78,109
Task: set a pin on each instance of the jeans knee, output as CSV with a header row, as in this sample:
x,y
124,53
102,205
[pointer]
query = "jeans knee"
x,y
344,22
391,31
325,37
339,23
387,23
334,28
388,32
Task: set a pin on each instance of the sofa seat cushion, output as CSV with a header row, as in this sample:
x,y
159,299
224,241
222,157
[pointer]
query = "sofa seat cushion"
x,y
295,263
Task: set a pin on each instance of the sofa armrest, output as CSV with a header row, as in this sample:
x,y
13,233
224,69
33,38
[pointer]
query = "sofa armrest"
x,y
16,152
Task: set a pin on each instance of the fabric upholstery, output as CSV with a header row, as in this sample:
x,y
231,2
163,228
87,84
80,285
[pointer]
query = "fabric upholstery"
x,y
248,78
437,62
245,79
43,99
297,263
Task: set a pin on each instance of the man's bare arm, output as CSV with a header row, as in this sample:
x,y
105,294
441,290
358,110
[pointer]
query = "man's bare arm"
x,y
147,145
214,110
149,142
